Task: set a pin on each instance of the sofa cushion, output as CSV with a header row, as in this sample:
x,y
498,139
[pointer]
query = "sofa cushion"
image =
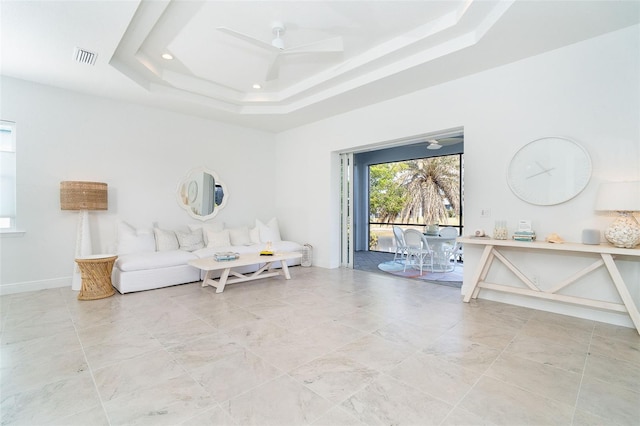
x,y
155,260
165,240
279,246
190,241
132,240
218,239
269,231
211,226
239,236
254,235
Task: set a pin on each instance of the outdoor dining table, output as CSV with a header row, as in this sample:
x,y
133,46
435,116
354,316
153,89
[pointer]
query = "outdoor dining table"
x,y
442,249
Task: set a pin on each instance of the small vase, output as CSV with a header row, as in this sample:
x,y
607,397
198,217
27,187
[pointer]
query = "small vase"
x,y
500,230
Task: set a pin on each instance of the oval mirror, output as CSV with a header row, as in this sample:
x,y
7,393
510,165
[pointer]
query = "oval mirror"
x,y
202,194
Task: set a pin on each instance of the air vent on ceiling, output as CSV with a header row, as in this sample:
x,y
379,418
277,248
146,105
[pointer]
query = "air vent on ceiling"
x,y
84,56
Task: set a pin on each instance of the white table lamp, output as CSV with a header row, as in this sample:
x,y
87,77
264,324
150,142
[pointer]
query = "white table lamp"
x,y
624,198
82,196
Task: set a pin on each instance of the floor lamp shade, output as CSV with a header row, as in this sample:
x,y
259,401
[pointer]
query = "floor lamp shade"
x,y
75,195
624,198
82,196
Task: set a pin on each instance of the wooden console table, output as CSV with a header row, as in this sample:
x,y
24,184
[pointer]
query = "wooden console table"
x,y
605,253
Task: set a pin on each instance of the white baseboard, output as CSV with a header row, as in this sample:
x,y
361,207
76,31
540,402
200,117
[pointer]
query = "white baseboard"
x,y
34,285
615,318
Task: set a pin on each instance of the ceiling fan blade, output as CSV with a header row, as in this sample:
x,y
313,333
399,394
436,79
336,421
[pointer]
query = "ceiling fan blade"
x,y
329,45
450,141
248,39
274,69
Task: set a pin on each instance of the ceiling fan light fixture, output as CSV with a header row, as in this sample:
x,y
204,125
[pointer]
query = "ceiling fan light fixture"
x,y
278,29
433,144
278,43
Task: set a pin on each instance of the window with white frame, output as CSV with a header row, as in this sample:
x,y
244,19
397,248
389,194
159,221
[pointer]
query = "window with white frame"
x,y
7,175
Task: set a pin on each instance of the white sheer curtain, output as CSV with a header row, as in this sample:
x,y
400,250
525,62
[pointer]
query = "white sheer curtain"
x,y
7,175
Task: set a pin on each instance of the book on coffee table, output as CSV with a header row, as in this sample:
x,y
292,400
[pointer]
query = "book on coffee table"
x,y
226,256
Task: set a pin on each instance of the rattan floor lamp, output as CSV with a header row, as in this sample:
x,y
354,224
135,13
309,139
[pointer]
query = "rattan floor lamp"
x,y
82,196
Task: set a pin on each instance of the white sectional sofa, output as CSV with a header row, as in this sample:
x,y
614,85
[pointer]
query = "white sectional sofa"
x,y
156,258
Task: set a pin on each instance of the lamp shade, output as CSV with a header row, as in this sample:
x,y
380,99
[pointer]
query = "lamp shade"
x,y
75,195
619,196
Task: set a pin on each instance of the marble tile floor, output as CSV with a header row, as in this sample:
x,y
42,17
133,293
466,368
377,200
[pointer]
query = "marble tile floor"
x,y
328,347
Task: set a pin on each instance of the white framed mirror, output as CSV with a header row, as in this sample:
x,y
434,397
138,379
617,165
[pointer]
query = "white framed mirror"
x,y
201,193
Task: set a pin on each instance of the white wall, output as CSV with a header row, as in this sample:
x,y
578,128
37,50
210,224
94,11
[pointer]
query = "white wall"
x,y
141,153
589,92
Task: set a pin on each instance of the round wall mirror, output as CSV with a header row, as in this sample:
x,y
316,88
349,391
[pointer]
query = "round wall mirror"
x,y
202,194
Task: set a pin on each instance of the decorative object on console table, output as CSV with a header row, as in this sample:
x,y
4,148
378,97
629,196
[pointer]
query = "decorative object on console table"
x,y
591,236
500,230
554,238
524,236
524,232
624,198
82,196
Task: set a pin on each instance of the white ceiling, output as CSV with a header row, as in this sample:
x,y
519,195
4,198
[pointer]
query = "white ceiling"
x,y
390,48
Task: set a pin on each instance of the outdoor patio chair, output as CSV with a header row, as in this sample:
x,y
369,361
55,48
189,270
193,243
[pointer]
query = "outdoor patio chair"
x,y
401,246
451,250
418,251
449,231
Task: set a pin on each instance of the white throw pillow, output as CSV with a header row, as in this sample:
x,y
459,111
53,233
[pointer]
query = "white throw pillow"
x,y
132,240
218,239
270,231
211,226
190,241
239,236
165,240
254,235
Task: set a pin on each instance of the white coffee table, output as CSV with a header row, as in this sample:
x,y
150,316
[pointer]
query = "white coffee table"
x,y
210,265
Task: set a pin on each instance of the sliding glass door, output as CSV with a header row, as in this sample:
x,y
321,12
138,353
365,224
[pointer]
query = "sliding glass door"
x,y
414,194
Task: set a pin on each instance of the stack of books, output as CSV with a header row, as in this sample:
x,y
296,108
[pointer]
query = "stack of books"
x,y
225,256
524,236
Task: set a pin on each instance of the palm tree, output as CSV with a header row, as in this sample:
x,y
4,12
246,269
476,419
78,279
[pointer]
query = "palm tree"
x,y
431,182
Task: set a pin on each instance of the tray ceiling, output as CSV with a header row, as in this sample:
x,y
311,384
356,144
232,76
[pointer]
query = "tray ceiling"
x,y
389,48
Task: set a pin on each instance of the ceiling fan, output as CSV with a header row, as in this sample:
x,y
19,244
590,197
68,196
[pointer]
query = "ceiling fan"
x,y
278,50
439,143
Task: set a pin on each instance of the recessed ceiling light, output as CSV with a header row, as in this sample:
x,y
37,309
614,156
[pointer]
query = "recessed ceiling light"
x,y
167,56
257,86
